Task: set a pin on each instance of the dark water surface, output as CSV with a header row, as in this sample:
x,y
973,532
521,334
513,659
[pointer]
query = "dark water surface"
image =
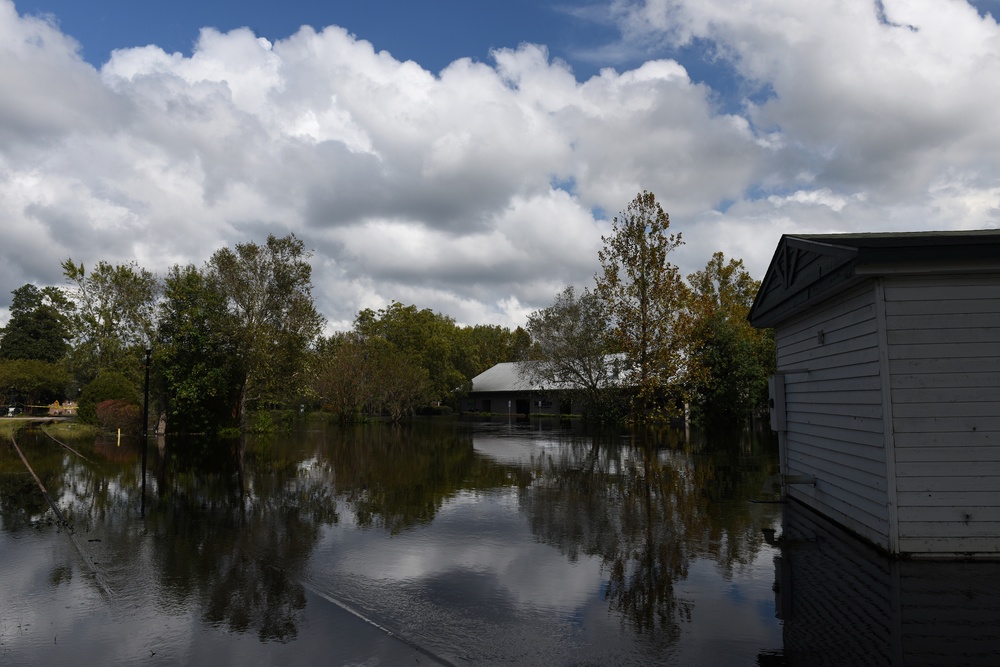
x,y
441,542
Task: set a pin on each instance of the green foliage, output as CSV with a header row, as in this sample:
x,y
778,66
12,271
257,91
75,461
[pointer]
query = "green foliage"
x,y
106,386
116,414
574,342
114,318
196,354
269,294
428,339
263,423
644,296
32,382
729,360
38,327
342,381
358,377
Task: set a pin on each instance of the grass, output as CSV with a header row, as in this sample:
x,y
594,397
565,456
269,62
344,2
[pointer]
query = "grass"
x,y
9,427
71,429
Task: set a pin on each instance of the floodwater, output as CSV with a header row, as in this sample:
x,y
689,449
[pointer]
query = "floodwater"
x,y
445,542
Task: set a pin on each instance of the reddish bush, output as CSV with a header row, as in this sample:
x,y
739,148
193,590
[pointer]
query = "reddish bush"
x,y
116,414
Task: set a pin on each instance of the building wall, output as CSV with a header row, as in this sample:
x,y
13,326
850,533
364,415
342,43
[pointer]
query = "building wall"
x,y
519,403
833,402
944,362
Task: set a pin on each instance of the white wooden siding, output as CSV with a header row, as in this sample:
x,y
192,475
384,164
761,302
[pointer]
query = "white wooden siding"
x,y
833,400
944,362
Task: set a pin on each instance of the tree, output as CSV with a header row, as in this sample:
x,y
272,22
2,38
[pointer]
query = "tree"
x,y
427,338
644,295
343,380
32,382
402,384
483,346
269,293
729,360
113,322
196,353
573,340
38,326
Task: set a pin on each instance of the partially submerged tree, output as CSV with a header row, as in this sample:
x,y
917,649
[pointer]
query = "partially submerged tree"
x,y
269,293
644,295
343,380
196,354
358,377
427,338
729,360
573,340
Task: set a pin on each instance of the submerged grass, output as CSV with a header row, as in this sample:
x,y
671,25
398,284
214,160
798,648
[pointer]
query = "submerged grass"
x,y
71,429
8,427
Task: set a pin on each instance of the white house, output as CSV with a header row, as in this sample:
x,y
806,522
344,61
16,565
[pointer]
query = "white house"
x,y
887,397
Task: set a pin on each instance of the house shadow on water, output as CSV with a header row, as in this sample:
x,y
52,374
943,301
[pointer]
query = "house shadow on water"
x,y
842,602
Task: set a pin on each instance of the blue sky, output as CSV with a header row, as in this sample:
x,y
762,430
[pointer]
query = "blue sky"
x,y
466,156
433,33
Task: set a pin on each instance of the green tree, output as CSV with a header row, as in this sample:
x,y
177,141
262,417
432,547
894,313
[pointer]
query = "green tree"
x,y
196,353
269,293
32,382
429,339
38,326
573,339
403,386
343,379
114,319
486,345
644,295
729,360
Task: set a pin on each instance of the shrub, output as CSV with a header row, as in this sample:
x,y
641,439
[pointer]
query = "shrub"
x,y
115,414
106,386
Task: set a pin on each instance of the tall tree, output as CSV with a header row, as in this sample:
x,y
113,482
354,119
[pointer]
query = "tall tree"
x,y
729,360
486,345
343,380
269,292
39,326
429,339
644,295
573,339
114,317
196,352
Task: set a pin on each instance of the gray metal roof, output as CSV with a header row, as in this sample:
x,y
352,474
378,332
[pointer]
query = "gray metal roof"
x,y
502,377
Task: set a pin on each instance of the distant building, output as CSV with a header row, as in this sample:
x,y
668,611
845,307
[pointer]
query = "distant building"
x,y
67,409
887,397
504,390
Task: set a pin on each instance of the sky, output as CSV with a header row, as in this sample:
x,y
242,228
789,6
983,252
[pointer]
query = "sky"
x,y
467,157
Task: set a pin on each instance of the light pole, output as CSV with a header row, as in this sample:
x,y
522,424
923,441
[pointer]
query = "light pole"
x,y
145,435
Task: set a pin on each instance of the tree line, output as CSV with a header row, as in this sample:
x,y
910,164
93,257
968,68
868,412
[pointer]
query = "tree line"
x,y
644,345
241,333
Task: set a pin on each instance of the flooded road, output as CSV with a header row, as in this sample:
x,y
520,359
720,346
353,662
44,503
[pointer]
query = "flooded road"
x,y
439,542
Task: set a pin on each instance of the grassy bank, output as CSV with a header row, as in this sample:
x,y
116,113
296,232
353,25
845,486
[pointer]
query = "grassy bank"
x,y
9,427
71,429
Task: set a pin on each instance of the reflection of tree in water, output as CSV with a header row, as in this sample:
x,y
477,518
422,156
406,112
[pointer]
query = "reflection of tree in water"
x,y
396,477
647,511
236,556
22,504
239,556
